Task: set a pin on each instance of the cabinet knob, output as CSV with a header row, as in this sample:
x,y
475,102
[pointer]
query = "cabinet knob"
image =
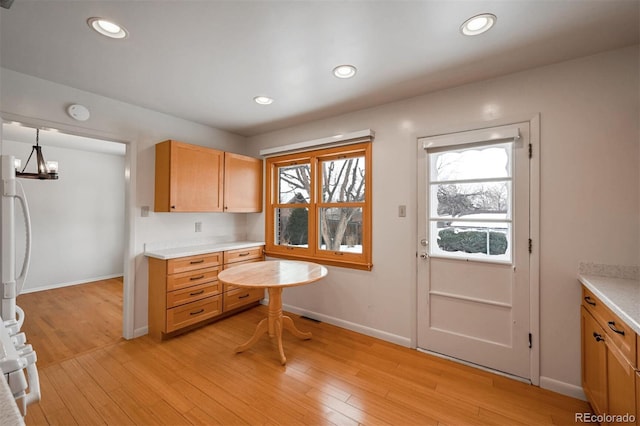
x,y
589,301
173,207
598,337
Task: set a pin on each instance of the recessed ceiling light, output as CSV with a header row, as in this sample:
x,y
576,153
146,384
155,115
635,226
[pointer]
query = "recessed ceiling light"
x,y
263,100
107,28
478,24
344,71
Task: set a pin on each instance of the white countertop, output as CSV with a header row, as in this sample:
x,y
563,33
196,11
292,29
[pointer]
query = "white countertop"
x,y
194,250
622,296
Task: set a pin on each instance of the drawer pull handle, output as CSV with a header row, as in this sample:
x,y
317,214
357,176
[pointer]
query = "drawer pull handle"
x,y
589,301
612,326
195,293
195,262
243,297
244,254
598,337
199,277
197,312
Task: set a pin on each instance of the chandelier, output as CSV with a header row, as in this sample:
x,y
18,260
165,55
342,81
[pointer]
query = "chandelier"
x,y
45,169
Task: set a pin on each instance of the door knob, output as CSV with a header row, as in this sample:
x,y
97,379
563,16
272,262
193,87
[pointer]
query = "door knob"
x,y
424,255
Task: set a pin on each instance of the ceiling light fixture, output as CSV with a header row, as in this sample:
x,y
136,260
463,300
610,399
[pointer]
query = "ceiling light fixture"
x,y
263,100
45,169
107,28
478,24
344,71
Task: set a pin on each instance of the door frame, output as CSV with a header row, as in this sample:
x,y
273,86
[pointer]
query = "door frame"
x,y
534,227
129,267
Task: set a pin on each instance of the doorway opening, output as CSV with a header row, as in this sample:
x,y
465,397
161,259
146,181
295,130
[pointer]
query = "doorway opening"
x,y
79,234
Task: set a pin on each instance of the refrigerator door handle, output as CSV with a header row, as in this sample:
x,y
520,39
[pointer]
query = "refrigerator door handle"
x,y
20,195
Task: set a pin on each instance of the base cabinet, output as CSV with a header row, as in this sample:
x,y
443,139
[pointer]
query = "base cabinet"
x,y
610,378
594,360
185,292
234,296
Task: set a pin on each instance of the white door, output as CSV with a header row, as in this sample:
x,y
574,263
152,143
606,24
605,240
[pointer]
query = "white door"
x,y
473,246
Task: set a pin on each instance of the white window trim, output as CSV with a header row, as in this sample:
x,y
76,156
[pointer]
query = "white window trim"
x,y
366,135
494,134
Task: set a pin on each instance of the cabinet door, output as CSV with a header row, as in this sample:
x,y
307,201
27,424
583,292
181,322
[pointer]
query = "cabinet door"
x,y
594,362
196,179
242,183
189,178
638,397
621,384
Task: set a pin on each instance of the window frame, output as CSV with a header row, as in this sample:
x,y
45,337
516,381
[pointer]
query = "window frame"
x,y
313,252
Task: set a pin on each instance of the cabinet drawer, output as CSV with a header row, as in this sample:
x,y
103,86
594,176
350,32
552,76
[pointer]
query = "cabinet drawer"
x,y
192,313
191,294
618,332
593,304
188,279
240,255
621,335
240,297
190,263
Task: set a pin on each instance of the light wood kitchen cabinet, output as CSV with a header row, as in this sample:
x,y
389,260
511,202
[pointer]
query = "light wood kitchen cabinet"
x,y
234,296
609,359
638,397
594,360
188,178
193,178
242,183
184,292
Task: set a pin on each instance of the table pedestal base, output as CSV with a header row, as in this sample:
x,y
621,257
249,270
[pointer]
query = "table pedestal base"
x,y
274,324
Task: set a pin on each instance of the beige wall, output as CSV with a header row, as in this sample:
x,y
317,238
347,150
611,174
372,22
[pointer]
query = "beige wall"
x,y
589,194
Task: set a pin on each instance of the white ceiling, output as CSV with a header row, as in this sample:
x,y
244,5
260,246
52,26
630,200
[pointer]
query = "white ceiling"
x,y
205,60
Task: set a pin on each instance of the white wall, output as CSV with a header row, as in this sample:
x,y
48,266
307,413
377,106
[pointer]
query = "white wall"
x,y
77,221
41,100
589,193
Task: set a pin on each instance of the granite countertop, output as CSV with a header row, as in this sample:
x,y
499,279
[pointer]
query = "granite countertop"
x,y
621,295
165,253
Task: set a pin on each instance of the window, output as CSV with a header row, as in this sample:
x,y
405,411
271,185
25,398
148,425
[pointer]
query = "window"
x,y
470,202
319,206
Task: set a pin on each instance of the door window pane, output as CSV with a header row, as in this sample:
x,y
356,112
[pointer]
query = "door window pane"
x,y
341,229
482,200
476,240
343,180
470,202
294,183
471,163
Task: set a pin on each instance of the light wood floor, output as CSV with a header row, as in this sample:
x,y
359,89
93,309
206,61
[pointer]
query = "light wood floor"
x,y
90,376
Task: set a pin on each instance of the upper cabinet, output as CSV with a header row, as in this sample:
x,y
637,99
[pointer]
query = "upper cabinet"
x,y
242,183
189,178
193,178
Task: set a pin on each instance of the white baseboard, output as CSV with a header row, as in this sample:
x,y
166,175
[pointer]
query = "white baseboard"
x,y
382,335
69,284
562,387
140,332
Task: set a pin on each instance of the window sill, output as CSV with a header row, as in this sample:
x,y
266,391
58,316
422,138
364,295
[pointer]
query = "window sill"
x,y
322,261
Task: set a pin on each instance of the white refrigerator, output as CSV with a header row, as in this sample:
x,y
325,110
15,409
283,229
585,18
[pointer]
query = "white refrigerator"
x,y
17,358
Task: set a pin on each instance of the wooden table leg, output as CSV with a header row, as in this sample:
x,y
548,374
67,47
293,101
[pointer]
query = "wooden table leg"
x,y
274,324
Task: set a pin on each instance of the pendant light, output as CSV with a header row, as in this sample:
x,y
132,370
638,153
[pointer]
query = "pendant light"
x,y
45,169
